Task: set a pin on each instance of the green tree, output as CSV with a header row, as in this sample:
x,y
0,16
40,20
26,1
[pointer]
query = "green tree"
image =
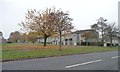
x,y
111,31
100,26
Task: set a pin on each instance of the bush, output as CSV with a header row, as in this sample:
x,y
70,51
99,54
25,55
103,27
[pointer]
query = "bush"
x,y
100,44
78,43
9,42
93,43
89,43
83,43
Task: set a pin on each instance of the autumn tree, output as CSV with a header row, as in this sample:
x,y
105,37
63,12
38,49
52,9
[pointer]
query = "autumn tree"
x,y
32,36
15,36
23,37
48,22
89,35
40,21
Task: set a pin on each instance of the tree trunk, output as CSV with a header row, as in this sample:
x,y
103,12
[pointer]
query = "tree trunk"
x,y
16,41
111,41
45,39
102,38
60,41
86,41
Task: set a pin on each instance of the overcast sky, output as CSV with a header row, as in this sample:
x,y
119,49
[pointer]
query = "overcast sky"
x,y
83,12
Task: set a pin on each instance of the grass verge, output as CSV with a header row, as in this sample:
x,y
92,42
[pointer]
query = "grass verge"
x,y
28,51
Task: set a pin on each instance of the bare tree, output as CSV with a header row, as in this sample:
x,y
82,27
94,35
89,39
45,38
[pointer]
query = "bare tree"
x,y
63,23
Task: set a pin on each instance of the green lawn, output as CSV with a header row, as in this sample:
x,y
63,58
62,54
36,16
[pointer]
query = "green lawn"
x,y
24,51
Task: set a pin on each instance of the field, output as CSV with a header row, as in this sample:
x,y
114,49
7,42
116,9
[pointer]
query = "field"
x,y
26,51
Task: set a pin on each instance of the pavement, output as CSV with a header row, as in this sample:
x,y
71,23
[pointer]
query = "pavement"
x,y
90,61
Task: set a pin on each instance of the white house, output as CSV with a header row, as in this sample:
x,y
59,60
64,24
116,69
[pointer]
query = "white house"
x,y
73,38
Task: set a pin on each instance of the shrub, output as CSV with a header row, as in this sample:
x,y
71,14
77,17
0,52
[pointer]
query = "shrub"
x,y
9,42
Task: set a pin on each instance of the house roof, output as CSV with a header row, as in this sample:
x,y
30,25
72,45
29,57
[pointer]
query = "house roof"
x,y
80,31
69,34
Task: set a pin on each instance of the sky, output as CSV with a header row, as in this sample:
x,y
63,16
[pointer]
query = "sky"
x,y
84,12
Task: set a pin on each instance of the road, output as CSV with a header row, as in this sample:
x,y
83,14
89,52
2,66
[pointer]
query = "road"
x,y
90,61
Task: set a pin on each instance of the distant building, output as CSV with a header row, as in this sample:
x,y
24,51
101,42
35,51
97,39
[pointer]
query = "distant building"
x,y
78,38
73,38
